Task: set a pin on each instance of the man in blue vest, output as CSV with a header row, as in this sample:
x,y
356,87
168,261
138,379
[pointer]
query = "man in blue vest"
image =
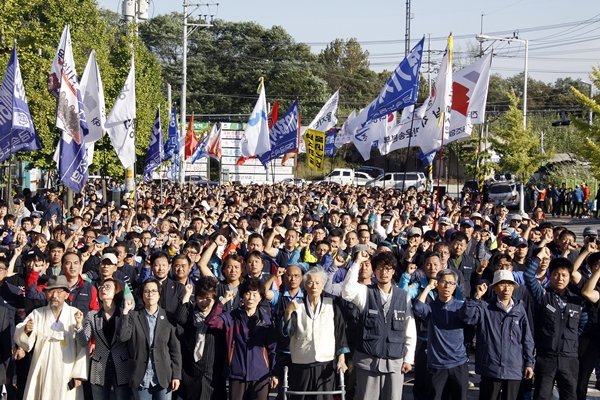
x,y
386,339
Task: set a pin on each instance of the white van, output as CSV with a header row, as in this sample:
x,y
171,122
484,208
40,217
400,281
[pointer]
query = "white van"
x,y
394,180
347,176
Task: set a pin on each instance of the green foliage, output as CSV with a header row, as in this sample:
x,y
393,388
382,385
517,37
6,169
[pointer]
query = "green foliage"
x,y
226,61
518,148
477,163
589,148
37,25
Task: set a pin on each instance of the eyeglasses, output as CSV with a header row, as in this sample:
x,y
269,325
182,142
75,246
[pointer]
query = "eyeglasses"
x,y
446,283
504,285
89,237
150,292
386,269
105,287
3,269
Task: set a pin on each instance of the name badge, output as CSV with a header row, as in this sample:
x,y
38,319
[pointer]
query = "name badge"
x,y
549,307
373,312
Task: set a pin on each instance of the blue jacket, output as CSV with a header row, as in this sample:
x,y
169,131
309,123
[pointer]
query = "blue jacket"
x,y
577,195
445,345
503,337
250,354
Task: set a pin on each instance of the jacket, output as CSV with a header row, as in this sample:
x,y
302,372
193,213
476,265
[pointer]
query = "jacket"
x,y
84,296
468,265
383,336
93,328
556,327
504,336
250,355
445,336
167,353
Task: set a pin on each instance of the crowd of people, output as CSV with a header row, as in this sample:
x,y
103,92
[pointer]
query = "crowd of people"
x,y
204,292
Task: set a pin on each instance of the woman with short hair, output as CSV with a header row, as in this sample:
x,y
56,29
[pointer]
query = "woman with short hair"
x,y
109,361
251,342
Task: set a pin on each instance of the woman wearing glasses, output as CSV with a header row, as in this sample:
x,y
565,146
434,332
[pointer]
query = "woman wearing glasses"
x,y
154,363
109,361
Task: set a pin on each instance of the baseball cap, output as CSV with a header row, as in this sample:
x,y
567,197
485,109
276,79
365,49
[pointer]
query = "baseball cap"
x,y
589,231
34,253
36,214
467,221
102,239
414,232
519,241
503,275
130,248
445,221
360,247
385,244
386,217
111,257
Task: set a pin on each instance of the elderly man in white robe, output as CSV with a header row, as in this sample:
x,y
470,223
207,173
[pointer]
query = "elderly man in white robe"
x,y
59,363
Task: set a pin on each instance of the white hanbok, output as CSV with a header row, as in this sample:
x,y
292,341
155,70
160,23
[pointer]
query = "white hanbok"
x,y
57,356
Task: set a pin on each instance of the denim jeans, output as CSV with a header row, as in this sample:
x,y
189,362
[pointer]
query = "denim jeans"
x,y
110,380
153,393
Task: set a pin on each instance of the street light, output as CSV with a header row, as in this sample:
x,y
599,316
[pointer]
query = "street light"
x,y
482,38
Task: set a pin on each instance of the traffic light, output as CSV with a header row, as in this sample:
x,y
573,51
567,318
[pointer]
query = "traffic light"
x,y
563,120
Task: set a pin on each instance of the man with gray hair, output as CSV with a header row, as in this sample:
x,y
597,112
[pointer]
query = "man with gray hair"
x,y
447,359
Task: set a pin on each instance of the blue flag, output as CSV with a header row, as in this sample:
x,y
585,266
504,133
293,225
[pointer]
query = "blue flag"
x,y
172,145
283,135
200,150
70,119
402,88
155,149
427,159
17,132
330,142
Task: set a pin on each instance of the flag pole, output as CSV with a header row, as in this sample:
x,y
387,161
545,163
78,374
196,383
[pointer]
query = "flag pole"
x,y
412,121
297,152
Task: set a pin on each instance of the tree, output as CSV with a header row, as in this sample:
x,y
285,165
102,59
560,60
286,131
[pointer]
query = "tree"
x,y
37,26
589,149
519,148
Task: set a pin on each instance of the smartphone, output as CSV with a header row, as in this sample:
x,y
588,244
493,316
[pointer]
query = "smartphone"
x,y
71,384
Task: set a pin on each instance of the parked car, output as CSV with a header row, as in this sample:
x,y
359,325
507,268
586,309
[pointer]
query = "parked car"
x,y
506,192
295,181
347,176
395,180
373,171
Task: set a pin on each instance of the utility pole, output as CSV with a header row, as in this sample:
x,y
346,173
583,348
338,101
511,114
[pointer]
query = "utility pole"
x,y
483,38
186,33
407,33
133,12
481,42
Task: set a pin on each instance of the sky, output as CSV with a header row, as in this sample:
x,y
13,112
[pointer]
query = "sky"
x,y
564,37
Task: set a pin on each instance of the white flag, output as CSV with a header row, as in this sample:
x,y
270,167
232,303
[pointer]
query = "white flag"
x,y
364,137
325,119
469,97
344,135
436,120
399,136
120,123
256,135
93,101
